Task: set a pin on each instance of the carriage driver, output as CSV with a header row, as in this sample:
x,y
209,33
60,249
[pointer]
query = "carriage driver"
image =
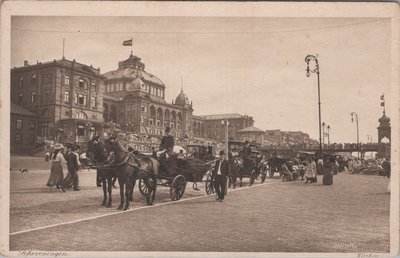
x,y
167,143
246,152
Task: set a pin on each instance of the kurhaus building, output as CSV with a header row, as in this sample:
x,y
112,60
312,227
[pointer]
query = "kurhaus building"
x,y
65,95
135,99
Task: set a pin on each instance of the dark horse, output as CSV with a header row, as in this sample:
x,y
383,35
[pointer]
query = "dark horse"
x,y
130,168
98,156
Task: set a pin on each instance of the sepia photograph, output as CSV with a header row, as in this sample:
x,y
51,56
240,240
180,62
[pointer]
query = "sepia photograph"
x,y
202,129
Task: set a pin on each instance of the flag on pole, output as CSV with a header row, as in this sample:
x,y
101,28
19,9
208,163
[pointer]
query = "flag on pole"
x,y
127,42
382,97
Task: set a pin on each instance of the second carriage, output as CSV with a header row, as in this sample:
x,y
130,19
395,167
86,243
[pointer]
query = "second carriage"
x,y
193,166
252,167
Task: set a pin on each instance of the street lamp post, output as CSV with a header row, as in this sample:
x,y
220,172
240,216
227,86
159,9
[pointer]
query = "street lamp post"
x,y
315,70
323,134
354,114
225,123
328,129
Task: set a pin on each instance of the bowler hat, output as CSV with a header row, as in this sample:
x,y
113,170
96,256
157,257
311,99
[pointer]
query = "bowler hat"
x,y
167,129
222,153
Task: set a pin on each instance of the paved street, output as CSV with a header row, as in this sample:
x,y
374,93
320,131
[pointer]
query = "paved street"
x,y
352,215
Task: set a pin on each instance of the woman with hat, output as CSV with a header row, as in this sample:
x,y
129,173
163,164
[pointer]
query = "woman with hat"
x,y
56,172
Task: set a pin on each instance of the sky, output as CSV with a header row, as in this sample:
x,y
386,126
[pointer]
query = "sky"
x,y
252,66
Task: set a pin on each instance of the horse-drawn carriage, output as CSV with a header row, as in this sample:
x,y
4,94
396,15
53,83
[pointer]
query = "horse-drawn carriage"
x,y
242,166
173,170
193,167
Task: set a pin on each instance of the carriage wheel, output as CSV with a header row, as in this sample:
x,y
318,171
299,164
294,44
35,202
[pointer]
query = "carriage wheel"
x,y
209,185
252,177
177,187
143,189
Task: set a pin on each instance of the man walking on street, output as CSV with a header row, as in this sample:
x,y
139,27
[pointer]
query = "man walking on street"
x,y
73,165
220,172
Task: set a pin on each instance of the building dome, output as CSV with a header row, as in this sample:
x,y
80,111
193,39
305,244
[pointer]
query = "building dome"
x,y
182,99
384,119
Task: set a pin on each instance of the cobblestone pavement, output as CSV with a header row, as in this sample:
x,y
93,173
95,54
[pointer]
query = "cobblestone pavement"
x,y
352,215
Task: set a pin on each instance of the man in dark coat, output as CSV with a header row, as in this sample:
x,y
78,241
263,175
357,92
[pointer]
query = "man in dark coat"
x,y
166,150
220,173
73,165
167,142
386,167
246,153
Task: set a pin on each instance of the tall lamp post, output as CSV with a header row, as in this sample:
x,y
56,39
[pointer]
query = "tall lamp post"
x,y
323,134
225,124
309,71
328,129
354,114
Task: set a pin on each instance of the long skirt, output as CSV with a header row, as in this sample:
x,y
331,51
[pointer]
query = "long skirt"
x,y
327,179
56,175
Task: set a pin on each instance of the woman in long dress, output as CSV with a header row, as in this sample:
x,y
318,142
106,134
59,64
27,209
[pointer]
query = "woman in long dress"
x,y
311,171
328,164
56,172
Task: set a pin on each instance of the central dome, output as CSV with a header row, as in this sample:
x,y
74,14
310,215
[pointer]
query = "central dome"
x,y
182,99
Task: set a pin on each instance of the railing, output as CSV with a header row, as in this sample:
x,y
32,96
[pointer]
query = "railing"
x,y
332,147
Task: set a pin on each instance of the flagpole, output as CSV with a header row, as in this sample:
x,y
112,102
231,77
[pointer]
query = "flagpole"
x,y
131,46
384,105
63,46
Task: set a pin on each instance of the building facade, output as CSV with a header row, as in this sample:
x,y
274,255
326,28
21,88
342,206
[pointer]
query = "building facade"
x,y
65,95
251,134
135,100
214,125
23,129
71,101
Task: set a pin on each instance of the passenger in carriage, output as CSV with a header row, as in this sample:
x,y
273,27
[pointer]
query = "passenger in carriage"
x,y
180,154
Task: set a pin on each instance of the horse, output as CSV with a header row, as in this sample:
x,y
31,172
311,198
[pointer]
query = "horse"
x,y
98,156
275,165
131,167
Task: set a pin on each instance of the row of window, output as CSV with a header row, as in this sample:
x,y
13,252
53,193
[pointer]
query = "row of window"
x,y
152,90
112,87
44,98
18,138
79,99
47,79
19,124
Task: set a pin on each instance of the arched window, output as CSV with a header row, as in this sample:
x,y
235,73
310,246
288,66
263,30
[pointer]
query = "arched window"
x,y
82,115
160,116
